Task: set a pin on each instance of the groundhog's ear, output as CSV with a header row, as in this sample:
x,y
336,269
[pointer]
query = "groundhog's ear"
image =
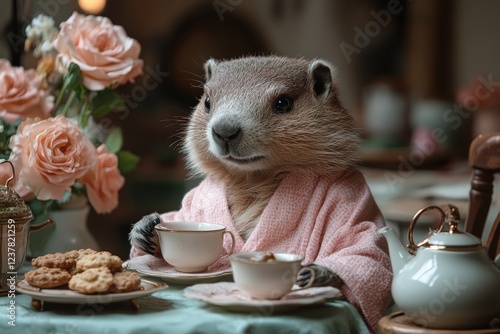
x,y
321,76
209,66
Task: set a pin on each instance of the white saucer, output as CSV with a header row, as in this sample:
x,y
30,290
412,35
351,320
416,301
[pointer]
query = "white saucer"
x,y
157,267
67,296
228,296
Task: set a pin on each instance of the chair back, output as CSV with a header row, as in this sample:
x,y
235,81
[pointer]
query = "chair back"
x,y
484,158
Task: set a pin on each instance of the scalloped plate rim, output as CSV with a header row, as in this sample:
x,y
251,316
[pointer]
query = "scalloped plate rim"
x,y
181,277
72,297
249,305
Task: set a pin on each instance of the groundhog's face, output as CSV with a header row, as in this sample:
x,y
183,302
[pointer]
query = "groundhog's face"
x,y
269,114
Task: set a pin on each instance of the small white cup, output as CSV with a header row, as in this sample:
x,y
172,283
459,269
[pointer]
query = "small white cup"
x,y
267,279
191,247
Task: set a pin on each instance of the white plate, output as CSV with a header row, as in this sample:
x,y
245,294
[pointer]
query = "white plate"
x,y
156,267
58,295
228,296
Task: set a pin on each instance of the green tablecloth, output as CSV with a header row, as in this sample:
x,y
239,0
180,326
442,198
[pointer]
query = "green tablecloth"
x,y
167,311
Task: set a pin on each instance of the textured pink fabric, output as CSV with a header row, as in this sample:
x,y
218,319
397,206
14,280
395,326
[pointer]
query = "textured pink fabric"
x,y
332,221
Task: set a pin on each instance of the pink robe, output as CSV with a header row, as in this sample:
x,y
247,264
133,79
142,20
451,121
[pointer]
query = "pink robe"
x,y
332,221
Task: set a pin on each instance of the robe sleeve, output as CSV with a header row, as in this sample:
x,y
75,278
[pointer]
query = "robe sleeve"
x,y
353,249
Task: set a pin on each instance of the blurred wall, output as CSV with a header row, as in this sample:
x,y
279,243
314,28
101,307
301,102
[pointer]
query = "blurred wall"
x,y
5,14
296,28
477,40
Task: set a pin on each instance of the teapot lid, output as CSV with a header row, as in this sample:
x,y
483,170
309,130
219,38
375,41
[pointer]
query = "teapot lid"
x,y
454,238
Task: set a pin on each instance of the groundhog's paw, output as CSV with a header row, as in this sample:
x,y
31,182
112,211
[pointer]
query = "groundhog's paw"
x,y
143,235
322,276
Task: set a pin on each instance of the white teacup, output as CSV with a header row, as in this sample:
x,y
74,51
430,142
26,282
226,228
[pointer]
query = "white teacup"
x,y
267,279
191,247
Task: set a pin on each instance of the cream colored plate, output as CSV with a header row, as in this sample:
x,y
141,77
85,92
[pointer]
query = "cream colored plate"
x,y
152,266
228,296
72,297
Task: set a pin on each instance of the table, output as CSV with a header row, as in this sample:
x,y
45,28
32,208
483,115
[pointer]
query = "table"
x,y
400,194
399,323
167,311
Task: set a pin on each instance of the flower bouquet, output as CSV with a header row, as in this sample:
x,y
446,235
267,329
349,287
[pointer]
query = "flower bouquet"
x,y
52,120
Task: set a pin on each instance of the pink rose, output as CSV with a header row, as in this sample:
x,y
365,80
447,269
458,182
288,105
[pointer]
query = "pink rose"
x,y
104,181
50,155
21,95
103,51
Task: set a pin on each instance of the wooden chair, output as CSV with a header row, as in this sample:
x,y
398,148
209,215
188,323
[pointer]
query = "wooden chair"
x,y
484,158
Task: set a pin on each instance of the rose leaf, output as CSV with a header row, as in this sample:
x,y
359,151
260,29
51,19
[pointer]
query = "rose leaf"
x,y
105,101
115,140
127,161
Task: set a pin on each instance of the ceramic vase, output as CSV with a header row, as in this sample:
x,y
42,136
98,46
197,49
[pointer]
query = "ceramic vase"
x,y
70,231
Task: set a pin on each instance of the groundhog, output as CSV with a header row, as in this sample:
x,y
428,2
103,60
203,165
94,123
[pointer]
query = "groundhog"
x,y
277,152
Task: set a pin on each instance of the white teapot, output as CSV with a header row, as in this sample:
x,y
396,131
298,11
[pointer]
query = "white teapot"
x,y
447,281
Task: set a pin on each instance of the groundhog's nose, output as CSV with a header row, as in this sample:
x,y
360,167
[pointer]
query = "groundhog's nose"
x,y
226,134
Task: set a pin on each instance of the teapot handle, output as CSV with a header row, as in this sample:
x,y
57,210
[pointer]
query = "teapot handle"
x,y
411,244
2,161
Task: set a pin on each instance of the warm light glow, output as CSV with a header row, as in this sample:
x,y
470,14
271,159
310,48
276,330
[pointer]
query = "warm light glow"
x,y
92,6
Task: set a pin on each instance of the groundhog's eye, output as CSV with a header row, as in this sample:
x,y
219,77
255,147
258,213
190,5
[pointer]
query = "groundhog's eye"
x,y
207,104
283,104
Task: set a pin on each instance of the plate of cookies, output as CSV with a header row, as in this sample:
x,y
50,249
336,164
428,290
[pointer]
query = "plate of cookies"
x,y
83,276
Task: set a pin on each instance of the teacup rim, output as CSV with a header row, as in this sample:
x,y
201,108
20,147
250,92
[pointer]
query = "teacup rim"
x,y
160,227
237,257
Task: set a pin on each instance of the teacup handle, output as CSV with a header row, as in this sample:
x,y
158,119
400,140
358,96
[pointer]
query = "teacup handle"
x,y
311,280
232,244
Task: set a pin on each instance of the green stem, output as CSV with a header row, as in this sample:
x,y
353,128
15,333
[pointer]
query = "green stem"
x,y
47,205
84,114
68,103
59,98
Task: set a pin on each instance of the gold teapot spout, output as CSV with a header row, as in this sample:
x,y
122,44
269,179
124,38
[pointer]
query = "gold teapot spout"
x,y
38,227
